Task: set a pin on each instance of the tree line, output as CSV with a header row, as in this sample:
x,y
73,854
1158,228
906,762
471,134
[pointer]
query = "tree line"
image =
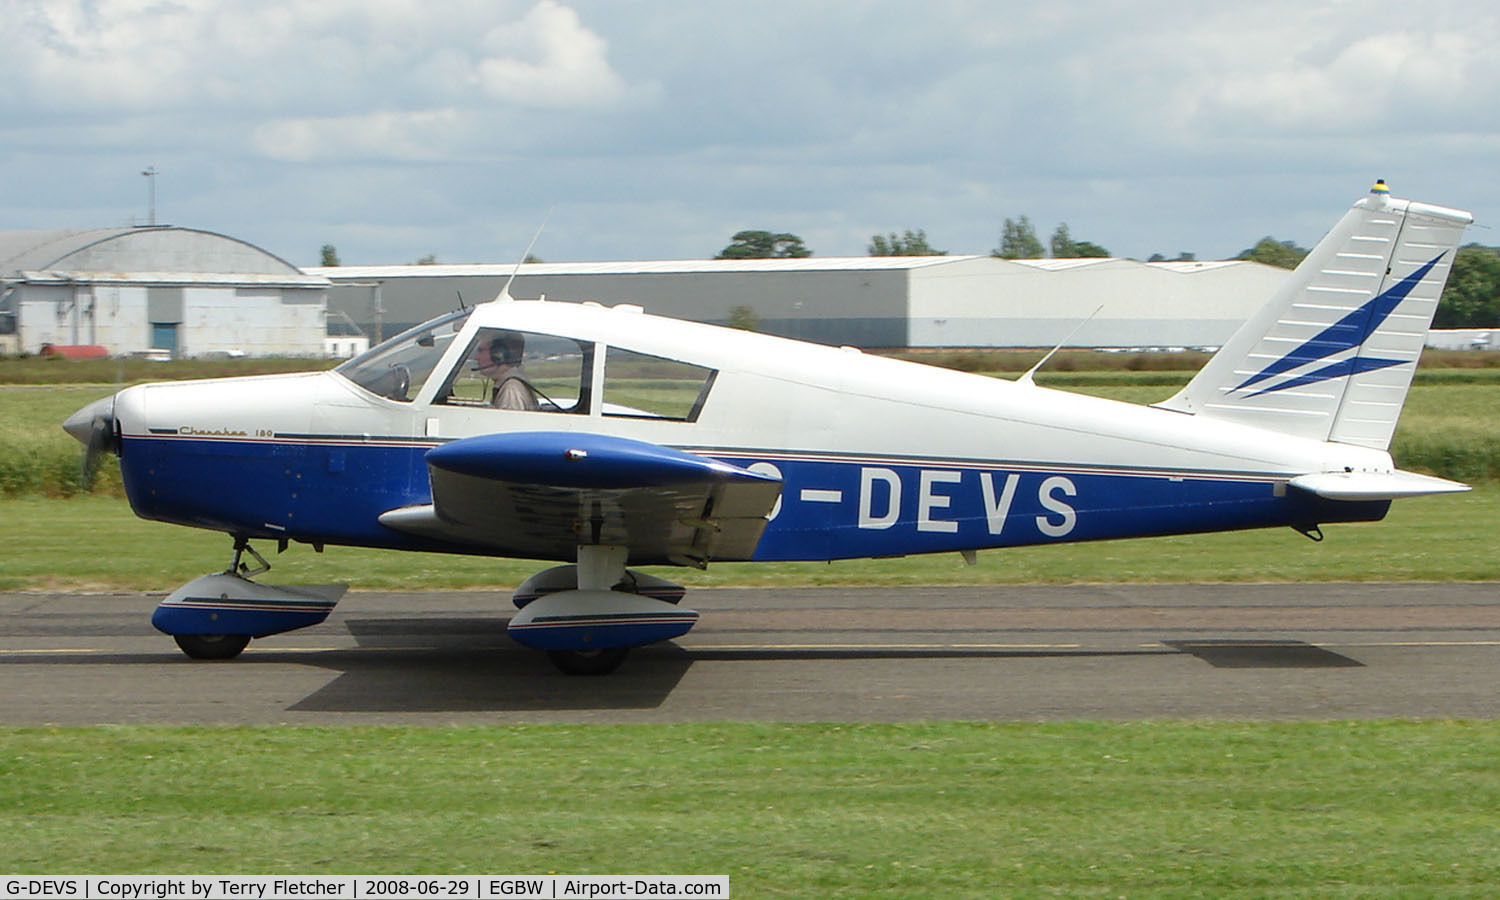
x,y
1018,240
1471,298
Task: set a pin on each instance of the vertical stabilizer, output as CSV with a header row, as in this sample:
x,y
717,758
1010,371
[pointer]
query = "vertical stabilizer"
x,y
1332,354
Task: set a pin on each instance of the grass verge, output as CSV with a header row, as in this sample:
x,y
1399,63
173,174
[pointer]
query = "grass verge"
x,y
120,371
1166,809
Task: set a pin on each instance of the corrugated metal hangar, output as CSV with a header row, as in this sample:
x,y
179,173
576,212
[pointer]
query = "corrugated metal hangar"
x,y
171,290
916,301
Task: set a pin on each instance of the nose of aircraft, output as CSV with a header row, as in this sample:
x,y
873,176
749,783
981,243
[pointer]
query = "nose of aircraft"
x,y
81,424
94,427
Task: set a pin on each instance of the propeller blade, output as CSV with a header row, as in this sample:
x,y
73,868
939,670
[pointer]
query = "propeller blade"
x,y
94,427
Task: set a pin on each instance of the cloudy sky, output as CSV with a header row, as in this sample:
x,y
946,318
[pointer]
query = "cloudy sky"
x,y
395,129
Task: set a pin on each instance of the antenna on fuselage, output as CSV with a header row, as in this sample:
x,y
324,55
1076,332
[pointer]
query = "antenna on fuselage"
x,y
505,291
1030,376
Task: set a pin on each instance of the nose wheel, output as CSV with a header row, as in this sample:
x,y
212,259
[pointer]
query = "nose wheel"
x,y
216,616
212,646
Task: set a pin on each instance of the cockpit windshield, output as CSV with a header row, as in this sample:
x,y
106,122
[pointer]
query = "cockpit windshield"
x,y
398,368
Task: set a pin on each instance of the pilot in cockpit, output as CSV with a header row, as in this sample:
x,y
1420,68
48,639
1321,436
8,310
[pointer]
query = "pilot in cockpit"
x,y
499,359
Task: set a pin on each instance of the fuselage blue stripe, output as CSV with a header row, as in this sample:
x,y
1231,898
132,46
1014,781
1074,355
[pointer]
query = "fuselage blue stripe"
x,y
326,493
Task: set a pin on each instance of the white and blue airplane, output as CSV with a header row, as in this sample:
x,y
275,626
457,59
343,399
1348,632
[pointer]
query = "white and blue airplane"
x,y
606,439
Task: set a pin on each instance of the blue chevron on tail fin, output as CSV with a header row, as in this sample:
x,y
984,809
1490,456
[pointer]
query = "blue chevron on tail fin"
x,y
1332,353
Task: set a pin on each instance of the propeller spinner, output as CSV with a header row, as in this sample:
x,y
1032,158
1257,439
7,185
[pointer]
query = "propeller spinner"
x,y
94,427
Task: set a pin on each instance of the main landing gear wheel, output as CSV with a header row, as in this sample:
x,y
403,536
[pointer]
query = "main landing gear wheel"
x,y
588,662
212,646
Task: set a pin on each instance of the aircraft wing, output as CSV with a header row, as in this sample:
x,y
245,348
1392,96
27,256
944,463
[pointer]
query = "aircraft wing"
x,y
542,494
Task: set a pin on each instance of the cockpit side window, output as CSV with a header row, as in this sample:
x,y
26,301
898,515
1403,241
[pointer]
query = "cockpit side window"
x,y
638,385
398,368
521,370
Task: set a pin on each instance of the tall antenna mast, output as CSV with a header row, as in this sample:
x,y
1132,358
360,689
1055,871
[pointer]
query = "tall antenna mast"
x,y
150,173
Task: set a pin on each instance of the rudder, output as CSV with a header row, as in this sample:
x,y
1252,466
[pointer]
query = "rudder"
x,y
1332,353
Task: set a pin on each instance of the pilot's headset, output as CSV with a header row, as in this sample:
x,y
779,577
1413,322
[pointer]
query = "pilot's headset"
x,y
507,348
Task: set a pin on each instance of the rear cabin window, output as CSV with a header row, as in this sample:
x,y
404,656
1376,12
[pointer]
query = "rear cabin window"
x,y
638,385
522,370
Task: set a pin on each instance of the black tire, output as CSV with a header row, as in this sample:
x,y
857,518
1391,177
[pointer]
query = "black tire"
x,y
212,646
588,662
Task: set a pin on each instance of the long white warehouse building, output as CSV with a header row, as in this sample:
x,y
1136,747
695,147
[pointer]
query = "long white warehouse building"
x,y
914,301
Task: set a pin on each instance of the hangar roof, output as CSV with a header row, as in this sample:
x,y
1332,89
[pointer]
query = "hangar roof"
x,y
650,267
713,266
1188,267
20,250
152,253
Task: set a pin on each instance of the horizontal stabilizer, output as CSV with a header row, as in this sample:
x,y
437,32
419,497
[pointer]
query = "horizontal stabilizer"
x,y
1374,485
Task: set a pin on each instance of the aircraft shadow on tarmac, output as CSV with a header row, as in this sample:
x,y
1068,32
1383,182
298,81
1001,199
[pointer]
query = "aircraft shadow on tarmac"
x,y
1264,654
471,665
449,664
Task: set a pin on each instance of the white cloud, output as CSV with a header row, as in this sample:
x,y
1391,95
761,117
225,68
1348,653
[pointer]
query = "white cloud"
x,y
423,136
548,59
1386,77
660,125
328,56
132,53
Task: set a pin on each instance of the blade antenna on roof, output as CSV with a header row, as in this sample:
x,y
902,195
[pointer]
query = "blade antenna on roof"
x,y
1030,376
505,291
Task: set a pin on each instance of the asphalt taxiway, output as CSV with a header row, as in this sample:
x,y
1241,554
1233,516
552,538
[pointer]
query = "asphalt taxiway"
x,y
1276,651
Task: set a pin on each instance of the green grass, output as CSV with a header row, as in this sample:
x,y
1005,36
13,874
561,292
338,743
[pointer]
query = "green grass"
x,y
96,543
55,370
1167,809
1451,427
37,458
